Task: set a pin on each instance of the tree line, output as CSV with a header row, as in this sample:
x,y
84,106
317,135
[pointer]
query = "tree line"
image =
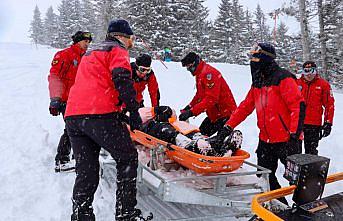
x,y
183,26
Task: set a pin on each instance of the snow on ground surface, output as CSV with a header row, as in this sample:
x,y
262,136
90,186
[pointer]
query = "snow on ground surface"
x,y
29,188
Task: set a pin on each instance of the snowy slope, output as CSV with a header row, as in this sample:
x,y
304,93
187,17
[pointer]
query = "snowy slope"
x,y
29,188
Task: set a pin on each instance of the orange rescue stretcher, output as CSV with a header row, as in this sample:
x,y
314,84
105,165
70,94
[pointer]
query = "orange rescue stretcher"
x,y
199,163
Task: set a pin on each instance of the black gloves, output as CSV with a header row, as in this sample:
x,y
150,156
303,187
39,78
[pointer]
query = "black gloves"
x,y
188,107
185,115
135,120
223,133
294,145
55,106
326,129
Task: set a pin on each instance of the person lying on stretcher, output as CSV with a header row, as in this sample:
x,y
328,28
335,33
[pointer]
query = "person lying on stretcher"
x,y
161,122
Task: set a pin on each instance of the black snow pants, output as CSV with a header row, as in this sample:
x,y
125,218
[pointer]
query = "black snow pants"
x,y
88,134
311,138
268,155
64,146
208,128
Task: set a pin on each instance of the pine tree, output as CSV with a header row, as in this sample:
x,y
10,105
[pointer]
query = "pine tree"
x,y
51,28
263,33
333,27
88,17
248,37
36,29
180,27
105,11
65,26
227,37
304,26
221,36
75,16
69,21
197,35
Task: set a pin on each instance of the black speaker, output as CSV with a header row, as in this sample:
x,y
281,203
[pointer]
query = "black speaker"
x,y
308,172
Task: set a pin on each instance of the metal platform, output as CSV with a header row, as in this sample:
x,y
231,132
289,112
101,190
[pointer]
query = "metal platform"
x,y
194,197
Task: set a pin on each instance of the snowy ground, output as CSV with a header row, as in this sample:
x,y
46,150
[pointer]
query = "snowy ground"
x,y
29,188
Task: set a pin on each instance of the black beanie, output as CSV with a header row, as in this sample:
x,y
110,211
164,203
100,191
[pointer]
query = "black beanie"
x,y
143,60
309,64
266,53
119,27
190,58
81,35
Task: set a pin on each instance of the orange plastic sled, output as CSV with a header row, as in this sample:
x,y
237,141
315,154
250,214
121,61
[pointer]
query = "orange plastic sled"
x,y
196,162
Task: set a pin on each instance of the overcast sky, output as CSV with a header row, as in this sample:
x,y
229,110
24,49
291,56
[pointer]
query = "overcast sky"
x,y
16,15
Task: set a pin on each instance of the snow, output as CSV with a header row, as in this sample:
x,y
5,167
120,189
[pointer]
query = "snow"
x,y
29,187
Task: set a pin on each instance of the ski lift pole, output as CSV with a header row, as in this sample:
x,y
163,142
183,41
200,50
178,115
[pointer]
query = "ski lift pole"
x,y
156,55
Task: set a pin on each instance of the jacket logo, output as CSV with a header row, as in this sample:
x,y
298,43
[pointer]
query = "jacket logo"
x,y
300,87
54,62
75,62
210,85
209,76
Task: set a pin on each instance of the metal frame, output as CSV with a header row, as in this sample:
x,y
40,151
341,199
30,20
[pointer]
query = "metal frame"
x,y
221,195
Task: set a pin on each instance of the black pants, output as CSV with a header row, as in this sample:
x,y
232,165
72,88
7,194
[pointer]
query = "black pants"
x,y
87,135
311,138
64,146
208,128
268,155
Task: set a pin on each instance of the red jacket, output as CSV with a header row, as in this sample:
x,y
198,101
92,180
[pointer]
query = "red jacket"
x,y
103,83
63,71
213,94
140,84
317,95
279,107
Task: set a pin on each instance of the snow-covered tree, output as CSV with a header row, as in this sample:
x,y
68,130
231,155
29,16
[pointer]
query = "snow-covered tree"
x,y
51,28
222,34
36,29
263,33
88,16
105,11
65,30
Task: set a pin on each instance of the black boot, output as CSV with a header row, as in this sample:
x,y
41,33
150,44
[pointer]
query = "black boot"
x,y
135,215
82,211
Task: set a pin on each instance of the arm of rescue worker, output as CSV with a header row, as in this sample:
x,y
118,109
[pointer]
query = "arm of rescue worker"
x,y
57,69
211,93
196,99
295,102
245,108
121,77
328,103
154,91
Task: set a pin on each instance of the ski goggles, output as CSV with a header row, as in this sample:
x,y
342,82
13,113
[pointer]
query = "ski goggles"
x,y
144,70
307,71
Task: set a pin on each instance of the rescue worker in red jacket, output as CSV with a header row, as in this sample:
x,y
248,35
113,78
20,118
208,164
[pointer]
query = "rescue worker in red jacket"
x,y
143,76
103,85
62,76
280,110
213,95
318,96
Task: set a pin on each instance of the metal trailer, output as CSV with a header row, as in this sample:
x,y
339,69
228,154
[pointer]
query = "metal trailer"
x,y
187,198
